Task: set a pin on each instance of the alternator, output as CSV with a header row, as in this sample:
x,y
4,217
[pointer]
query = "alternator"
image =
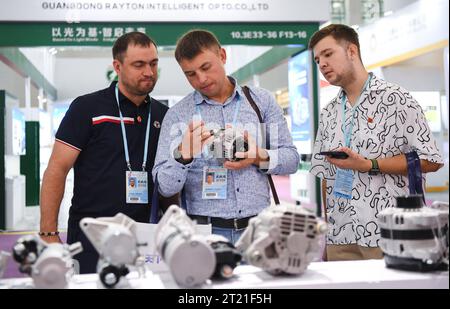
x,y
282,239
193,258
49,265
116,242
414,237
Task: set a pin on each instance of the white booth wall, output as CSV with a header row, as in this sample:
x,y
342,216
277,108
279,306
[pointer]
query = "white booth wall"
x,y
43,59
12,82
276,78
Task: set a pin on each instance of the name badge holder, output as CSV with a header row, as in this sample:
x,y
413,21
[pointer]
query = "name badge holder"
x,y
214,183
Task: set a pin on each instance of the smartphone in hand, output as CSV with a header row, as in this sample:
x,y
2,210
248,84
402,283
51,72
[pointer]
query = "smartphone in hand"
x,y
334,154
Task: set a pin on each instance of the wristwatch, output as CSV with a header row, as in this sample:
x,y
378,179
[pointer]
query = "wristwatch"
x,y
179,158
375,170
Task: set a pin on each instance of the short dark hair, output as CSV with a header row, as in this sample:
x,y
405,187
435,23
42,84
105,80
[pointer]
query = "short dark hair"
x,y
132,38
193,42
339,32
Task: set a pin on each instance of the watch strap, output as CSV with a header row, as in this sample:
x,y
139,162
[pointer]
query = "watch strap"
x,y
375,170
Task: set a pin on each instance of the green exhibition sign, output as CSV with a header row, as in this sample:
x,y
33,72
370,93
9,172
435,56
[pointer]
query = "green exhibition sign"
x,y
165,34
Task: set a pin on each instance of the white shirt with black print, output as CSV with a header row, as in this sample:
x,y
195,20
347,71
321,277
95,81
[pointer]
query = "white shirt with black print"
x,y
387,122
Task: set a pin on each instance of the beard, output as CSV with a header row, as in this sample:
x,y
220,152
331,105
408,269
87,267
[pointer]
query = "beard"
x,y
344,78
348,78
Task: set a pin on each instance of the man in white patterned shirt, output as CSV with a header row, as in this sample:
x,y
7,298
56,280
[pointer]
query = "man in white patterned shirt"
x,y
375,123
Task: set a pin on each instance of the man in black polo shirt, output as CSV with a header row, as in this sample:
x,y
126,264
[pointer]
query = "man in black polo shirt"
x,y
103,137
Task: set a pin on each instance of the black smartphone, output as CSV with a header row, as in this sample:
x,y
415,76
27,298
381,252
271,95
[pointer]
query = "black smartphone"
x,y
334,154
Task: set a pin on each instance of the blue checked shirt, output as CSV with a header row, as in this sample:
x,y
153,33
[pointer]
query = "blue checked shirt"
x,y
247,189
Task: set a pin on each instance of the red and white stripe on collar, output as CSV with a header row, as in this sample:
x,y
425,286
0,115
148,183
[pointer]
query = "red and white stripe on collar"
x,y
104,118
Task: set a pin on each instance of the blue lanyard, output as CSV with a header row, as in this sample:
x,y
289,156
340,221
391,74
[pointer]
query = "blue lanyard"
x,y
124,136
348,133
236,111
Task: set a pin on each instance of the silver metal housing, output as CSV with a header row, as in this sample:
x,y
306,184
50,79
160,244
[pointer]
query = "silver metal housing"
x,y
282,239
226,143
54,267
114,238
416,233
50,265
188,255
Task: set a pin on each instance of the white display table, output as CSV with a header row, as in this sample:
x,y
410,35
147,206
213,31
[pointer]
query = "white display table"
x,y
371,274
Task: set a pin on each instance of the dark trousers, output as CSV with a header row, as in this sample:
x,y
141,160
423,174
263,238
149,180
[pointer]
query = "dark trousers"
x,y
88,258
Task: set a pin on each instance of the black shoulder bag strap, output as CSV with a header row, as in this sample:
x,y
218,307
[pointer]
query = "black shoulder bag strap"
x,y
246,91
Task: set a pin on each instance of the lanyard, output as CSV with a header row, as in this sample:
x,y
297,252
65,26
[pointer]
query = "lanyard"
x,y
236,111
124,136
348,133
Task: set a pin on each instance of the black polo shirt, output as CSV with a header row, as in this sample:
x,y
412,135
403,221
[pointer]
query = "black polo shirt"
x,y
92,126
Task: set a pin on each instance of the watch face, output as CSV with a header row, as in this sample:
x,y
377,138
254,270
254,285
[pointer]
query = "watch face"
x,y
374,172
